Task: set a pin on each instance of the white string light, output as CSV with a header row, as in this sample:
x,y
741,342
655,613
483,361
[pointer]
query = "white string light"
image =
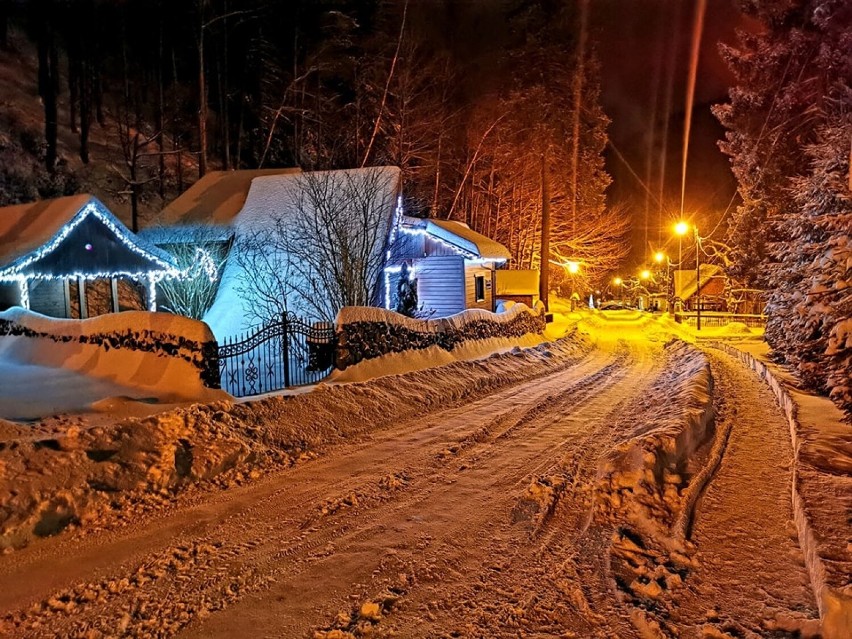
x,y
17,269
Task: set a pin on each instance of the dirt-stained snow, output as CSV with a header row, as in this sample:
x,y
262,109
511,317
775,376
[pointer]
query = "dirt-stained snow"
x,y
572,489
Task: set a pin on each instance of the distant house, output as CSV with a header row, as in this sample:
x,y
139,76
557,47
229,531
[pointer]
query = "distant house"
x,y
454,265
71,257
710,291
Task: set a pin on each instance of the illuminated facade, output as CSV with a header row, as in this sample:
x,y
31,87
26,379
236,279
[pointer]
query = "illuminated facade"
x,y
71,257
454,265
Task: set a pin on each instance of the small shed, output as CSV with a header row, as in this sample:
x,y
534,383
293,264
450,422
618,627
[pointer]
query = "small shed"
x,y
517,286
454,265
71,257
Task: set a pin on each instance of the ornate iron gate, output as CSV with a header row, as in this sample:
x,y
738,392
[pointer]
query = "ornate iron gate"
x,y
279,355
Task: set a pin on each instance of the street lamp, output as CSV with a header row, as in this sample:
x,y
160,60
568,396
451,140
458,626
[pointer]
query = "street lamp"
x,y
573,268
617,282
681,229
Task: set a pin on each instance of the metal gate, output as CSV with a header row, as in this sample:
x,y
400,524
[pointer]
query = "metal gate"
x,y
287,353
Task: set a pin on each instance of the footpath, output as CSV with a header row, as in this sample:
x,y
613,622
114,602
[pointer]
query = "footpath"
x,y
821,485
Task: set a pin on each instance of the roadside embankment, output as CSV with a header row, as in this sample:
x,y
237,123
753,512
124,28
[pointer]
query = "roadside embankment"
x,y
821,488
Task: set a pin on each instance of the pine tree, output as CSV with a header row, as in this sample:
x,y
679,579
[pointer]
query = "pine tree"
x,y
789,120
406,292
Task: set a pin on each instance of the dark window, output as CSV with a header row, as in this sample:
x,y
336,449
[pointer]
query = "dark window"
x,y
479,286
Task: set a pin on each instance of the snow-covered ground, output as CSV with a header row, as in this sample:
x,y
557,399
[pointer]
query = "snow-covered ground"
x,y
576,488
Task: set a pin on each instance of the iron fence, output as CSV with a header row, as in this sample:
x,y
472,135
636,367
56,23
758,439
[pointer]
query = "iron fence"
x,y
710,319
290,352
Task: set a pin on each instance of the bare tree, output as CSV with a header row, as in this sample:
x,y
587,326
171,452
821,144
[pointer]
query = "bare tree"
x,y
200,253
324,251
264,282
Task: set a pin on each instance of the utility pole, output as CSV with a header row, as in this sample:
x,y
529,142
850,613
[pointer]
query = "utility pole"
x,y
697,279
544,279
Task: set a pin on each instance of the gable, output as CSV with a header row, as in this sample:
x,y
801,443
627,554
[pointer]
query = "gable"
x,y
92,244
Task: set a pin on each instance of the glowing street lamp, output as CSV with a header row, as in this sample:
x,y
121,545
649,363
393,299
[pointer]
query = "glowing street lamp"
x,y
618,281
573,267
681,229
659,257
645,274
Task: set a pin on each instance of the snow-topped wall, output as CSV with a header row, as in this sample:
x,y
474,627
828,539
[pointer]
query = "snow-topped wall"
x,y
165,355
366,332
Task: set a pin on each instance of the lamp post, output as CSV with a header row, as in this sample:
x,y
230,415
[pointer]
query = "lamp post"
x,y
573,268
697,279
618,282
681,229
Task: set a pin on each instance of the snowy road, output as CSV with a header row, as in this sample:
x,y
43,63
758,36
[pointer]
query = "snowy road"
x,y
471,521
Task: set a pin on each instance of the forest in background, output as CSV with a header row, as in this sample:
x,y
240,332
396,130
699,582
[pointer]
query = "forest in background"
x,y
486,132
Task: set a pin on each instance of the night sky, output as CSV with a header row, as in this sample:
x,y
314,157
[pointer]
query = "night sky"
x,y
637,42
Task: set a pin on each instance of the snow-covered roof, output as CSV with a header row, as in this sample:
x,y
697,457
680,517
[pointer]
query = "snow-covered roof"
x,y
273,200
186,234
684,280
216,198
465,238
31,232
512,282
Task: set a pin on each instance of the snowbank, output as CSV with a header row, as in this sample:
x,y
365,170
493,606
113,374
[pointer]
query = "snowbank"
x,y
821,490
52,477
640,468
136,354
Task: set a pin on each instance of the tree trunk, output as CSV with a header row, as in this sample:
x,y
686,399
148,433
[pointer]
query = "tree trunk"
x,y
202,105
86,90
544,281
48,78
73,83
160,118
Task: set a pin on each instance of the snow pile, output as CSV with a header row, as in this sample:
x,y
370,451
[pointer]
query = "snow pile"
x,y
822,490
135,354
57,475
650,460
644,493
635,325
77,475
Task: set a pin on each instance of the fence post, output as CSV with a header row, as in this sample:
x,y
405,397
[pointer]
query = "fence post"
x,y
285,347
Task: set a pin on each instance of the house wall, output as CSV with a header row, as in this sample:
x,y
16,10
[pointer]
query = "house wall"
x,y
471,271
47,297
440,284
10,295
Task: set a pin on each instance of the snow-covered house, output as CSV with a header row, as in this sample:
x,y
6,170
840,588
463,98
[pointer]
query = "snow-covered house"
x,y
269,219
454,265
71,257
711,290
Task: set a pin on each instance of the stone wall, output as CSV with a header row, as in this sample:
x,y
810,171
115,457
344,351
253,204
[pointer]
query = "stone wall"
x,y
382,332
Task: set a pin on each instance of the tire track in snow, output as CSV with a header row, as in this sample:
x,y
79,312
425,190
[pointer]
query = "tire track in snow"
x,y
111,601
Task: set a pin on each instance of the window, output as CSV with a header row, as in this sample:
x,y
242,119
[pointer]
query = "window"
x,y
479,287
